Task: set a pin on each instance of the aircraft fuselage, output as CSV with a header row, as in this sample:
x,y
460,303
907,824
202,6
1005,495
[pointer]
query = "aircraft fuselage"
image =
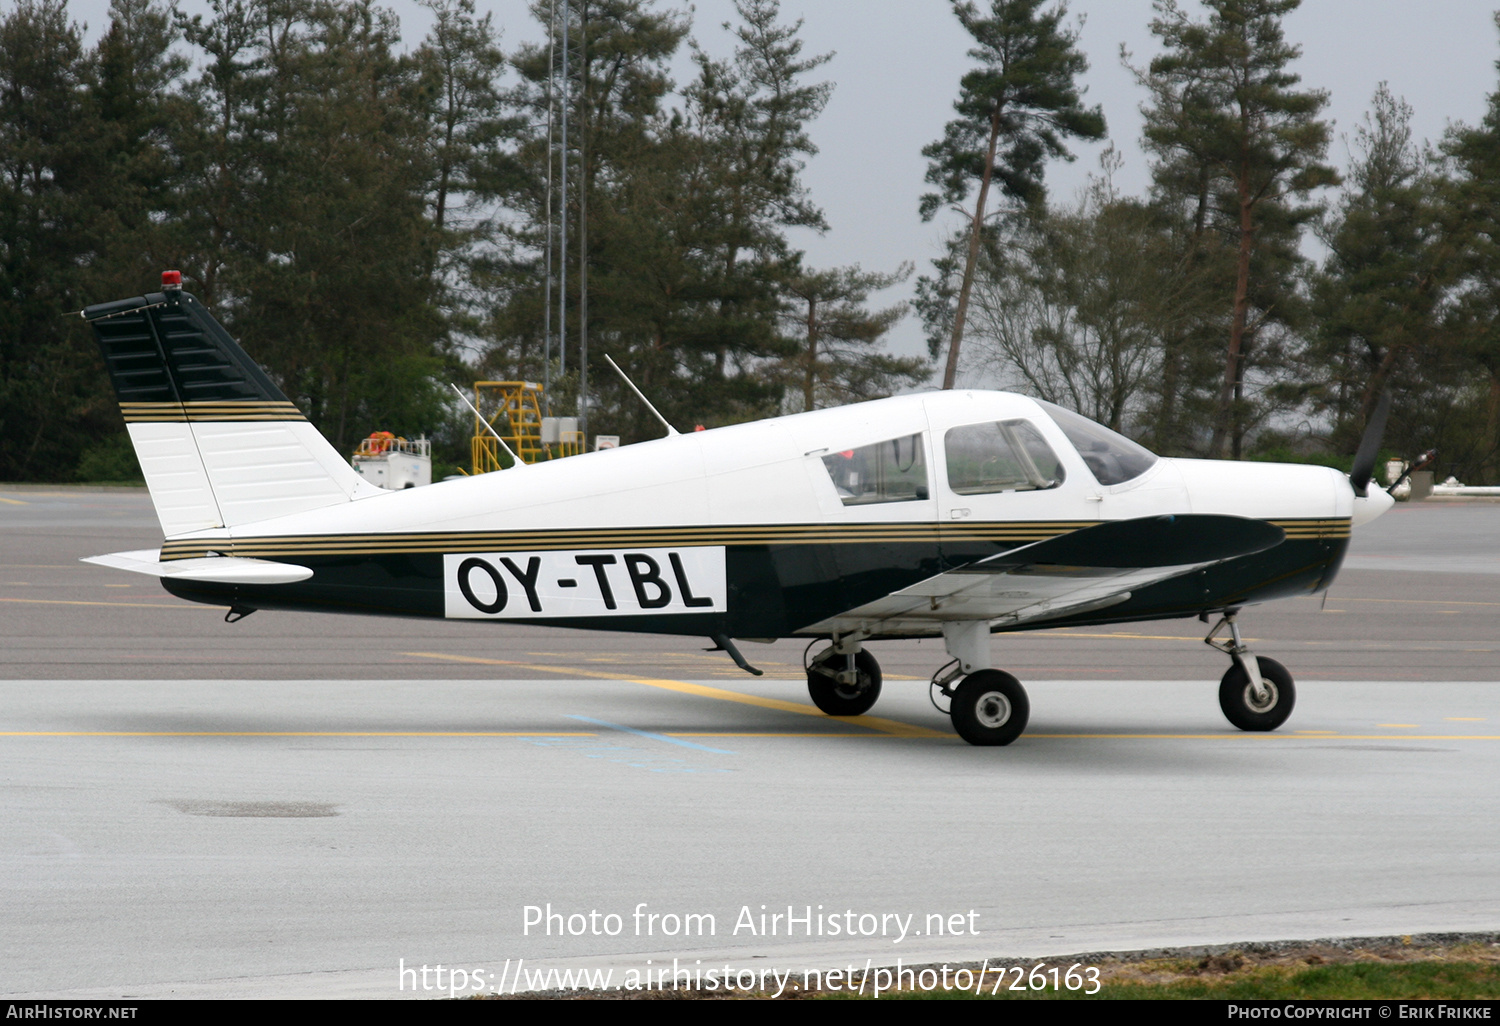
x,y
741,531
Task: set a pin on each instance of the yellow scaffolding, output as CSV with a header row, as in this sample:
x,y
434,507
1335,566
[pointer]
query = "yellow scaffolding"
x,y
517,418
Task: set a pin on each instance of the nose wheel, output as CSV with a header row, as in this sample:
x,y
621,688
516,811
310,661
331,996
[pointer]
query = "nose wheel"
x,y
1256,693
1262,707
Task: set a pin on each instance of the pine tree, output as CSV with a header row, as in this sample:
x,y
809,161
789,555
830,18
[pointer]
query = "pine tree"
x,y
753,111
1385,277
751,114
49,378
1473,212
687,211
462,64
473,130
220,159
1225,118
838,362
630,179
1014,110
314,240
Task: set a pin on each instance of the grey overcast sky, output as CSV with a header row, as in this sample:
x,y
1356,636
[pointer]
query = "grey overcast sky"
x,y
896,69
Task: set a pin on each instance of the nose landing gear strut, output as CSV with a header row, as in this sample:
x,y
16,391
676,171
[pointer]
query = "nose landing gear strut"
x,y
1256,693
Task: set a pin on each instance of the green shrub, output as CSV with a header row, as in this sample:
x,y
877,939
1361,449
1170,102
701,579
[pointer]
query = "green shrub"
x,y
111,461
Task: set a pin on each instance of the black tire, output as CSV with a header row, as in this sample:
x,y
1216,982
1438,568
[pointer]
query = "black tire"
x,y
1238,700
990,708
844,699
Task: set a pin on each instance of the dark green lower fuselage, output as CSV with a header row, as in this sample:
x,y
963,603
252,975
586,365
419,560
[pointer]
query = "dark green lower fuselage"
x,y
776,590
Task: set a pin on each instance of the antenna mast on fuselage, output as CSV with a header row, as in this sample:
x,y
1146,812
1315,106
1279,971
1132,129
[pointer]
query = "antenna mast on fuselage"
x,y
641,396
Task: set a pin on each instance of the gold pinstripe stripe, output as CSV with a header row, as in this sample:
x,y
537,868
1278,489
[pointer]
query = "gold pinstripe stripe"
x,y
232,410
500,541
605,538
1314,528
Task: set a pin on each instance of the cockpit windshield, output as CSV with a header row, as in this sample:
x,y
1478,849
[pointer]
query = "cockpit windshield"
x,y
1112,458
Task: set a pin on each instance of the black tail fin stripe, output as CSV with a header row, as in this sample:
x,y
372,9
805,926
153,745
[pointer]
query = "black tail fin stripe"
x,y
166,348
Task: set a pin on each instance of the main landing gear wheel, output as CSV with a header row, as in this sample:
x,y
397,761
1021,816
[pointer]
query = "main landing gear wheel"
x,y
837,699
990,708
1249,711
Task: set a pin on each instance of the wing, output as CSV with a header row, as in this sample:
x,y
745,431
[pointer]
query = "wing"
x,y
1089,569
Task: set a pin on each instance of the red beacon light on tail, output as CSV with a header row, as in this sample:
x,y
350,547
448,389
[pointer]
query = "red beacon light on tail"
x,y
171,280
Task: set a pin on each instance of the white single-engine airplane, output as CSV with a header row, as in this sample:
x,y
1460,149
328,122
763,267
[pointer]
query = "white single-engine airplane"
x,y
946,514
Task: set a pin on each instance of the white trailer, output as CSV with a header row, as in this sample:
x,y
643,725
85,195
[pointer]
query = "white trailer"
x,y
394,463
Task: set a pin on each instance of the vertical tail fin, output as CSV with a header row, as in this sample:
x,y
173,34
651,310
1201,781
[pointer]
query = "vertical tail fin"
x,y
218,442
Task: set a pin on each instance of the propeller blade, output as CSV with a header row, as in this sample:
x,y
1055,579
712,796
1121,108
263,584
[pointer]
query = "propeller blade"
x,y
1369,446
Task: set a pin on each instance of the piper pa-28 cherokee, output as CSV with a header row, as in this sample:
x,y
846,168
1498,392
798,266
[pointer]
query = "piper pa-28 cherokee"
x,y
948,514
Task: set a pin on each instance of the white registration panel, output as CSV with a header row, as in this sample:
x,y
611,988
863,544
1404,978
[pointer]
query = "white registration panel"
x,y
587,582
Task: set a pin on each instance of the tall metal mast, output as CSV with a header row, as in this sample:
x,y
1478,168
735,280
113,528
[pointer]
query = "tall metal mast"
x,y
583,232
551,238
562,275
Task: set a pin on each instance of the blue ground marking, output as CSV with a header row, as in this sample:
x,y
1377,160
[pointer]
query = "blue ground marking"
x,y
647,733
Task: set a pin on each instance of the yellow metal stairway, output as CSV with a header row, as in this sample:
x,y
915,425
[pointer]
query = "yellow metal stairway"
x,y
516,416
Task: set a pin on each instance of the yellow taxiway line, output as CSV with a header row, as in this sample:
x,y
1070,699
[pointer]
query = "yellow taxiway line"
x,y
134,605
768,735
1272,736
1064,633
298,733
884,726
880,726
1420,602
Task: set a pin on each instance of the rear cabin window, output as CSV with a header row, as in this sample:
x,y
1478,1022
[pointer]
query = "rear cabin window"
x,y
893,471
1008,456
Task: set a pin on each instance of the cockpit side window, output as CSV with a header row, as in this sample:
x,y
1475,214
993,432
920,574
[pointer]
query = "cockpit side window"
x,y
1111,458
1000,457
891,471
